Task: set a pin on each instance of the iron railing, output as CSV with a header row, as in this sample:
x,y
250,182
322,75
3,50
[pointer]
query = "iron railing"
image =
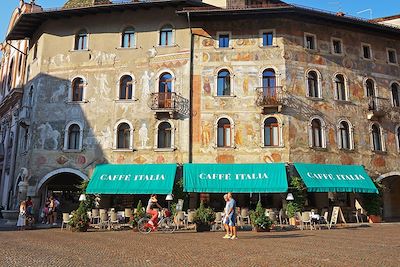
x,y
269,96
169,102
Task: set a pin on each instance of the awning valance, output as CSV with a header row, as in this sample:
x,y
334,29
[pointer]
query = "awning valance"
x,y
335,178
236,178
132,179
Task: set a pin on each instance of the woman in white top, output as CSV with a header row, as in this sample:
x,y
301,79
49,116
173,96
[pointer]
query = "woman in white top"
x,y
22,216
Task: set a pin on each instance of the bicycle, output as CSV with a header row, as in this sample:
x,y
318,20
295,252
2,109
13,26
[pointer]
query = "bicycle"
x,y
165,223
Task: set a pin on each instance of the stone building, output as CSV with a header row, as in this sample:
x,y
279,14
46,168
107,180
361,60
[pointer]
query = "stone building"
x,y
261,87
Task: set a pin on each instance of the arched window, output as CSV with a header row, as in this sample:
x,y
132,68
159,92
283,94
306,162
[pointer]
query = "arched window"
x,y
81,39
10,75
128,38
398,138
77,89
376,138
166,35
74,136
165,90
123,136
271,132
164,135
312,84
125,87
269,83
370,89
19,65
340,87
316,133
224,133
395,95
224,83
344,135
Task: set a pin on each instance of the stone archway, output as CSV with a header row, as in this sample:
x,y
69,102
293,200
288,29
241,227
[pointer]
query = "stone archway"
x,y
60,171
391,195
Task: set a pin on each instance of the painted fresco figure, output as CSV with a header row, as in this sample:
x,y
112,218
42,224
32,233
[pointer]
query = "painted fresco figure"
x,y
143,135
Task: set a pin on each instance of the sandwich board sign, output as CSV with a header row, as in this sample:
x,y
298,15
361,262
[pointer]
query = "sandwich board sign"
x,y
336,212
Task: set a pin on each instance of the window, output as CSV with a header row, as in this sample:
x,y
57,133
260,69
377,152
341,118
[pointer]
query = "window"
x,y
395,95
19,65
317,134
74,135
10,75
123,136
128,38
366,51
337,46
310,41
77,89
392,56
35,50
81,40
224,133
370,88
166,35
268,38
313,84
344,135
269,83
271,132
125,87
398,138
164,135
340,87
165,90
223,40
224,83
376,138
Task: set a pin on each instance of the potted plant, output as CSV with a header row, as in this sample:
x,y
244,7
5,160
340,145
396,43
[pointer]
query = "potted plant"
x,y
203,218
80,219
137,215
261,223
372,204
291,209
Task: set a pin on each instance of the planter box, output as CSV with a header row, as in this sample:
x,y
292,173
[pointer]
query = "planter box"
x,y
203,228
374,219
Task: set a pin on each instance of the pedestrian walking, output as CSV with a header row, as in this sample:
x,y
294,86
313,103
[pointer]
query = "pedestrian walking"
x,y
22,216
232,216
225,219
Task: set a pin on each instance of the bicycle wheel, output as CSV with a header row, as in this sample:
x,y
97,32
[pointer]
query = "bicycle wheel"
x,y
143,226
167,225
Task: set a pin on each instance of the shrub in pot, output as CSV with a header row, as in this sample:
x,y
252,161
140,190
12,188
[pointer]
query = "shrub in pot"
x,y
260,221
80,219
291,209
372,204
204,218
137,215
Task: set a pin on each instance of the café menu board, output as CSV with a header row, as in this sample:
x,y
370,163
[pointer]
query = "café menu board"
x,y
336,212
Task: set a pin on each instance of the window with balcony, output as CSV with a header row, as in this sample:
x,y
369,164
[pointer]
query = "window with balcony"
x,y
128,38
224,83
271,132
81,40
165,90
224,133
164,135
125,87
371,94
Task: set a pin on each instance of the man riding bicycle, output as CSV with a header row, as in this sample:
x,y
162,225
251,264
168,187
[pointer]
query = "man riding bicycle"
x,y
150,210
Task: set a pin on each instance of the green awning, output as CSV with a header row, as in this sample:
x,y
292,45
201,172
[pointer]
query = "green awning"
x,y
236,178
335,178
132,179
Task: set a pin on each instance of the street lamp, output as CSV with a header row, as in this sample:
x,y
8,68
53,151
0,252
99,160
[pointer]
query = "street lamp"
x,y
169,198
82,197
290,197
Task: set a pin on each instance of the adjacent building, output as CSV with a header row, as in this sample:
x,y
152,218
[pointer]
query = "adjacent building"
x,y
183,81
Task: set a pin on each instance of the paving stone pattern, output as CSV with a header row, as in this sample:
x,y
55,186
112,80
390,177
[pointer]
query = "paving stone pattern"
x,y
378,245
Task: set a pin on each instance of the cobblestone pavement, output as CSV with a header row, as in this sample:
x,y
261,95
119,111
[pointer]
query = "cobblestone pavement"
x,y
378,245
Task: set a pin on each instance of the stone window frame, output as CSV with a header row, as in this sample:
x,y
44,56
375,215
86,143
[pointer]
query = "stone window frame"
x,y
346,86
370,51
280,131
74,47
323,133
351,134
232,82
230,39
319,78
124,29
131,132
70,91
333,39
66,136
161,26
391,93
382,138
376,91
260,41
315,42
117,86
396,130
277,75
388,50
173,130
157,80
232,127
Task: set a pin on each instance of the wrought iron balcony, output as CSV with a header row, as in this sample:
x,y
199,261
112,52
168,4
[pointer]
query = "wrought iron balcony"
x,y
169,102
269,96
377,107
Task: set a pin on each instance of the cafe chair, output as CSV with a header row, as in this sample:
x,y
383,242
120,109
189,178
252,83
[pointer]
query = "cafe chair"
x,y
65,220
114,222
245,216
218,221
306,219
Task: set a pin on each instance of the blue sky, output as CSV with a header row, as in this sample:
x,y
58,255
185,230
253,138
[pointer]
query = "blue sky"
x,y
351,7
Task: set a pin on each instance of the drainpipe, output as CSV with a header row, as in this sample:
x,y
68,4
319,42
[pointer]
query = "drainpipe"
x,y
190,90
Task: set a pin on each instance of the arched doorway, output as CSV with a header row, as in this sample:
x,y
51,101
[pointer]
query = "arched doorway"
x,y
64,185
391,196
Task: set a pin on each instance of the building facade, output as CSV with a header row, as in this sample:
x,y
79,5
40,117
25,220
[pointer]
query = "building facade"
x,y
196,83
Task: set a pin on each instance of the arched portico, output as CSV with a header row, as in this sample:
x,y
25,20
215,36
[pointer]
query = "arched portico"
x,y
391,195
